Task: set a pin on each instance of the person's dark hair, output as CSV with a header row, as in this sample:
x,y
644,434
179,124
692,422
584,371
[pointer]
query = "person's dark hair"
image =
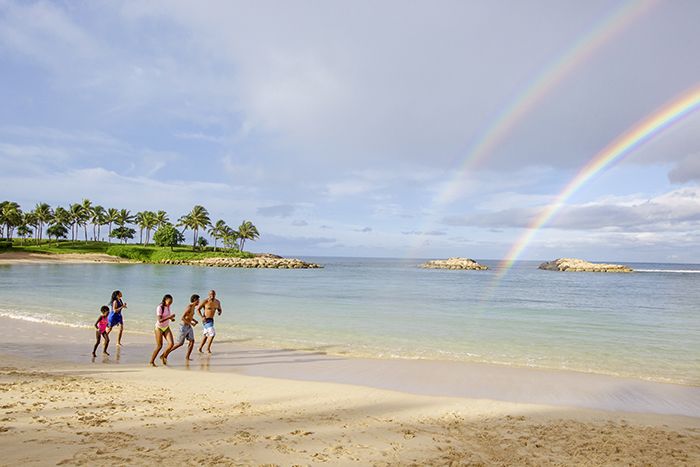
x,y
115,296
165,297
104,309
194,298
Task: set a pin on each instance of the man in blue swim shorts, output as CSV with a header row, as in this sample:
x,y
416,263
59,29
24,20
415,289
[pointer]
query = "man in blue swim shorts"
x,y
211,307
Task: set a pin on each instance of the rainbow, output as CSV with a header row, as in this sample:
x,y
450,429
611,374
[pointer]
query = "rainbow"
x,y
615,152
539,87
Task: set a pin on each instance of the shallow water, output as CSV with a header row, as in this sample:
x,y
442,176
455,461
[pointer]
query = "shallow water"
x,y
644,325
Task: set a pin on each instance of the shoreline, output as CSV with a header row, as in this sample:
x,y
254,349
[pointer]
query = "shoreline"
x,y
297,346
23,257
258,261
446,378
108,413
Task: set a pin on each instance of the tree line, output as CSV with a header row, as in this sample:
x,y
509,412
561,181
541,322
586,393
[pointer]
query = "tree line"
x,y
60,222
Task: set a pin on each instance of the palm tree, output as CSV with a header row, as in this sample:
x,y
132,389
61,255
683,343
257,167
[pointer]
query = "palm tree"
x,y
24,231
230,238
43,214
31,223
124,217
150,222
198,218
86,215
110,218
60,216
162,218
140,220
76,212
218,231
98,219
247,231
10,216
57,229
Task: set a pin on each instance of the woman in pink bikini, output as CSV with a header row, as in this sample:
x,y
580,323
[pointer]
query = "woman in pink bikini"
x,y
164,317
101,326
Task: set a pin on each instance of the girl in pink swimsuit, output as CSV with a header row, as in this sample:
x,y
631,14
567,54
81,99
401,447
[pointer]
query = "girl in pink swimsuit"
x,y
101,326
163,318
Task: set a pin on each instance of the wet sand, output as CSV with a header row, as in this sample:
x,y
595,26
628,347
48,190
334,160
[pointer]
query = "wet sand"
x,y
61,407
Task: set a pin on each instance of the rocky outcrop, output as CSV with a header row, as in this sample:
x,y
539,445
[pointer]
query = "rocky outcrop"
x,y
259,262
579,265
454,263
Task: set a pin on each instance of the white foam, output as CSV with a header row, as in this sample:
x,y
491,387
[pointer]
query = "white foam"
x,y
673,271
14,314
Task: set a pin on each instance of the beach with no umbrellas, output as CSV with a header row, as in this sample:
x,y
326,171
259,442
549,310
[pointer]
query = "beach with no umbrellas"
x,y
61,407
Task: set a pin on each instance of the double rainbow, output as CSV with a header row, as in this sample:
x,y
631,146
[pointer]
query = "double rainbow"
x,y
539,87
615,152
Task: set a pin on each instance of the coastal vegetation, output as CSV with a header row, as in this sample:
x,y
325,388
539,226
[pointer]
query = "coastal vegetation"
x,y
57,230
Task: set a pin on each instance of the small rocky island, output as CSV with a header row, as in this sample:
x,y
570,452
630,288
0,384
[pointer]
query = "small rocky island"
x,y
579,265
259,262
454,263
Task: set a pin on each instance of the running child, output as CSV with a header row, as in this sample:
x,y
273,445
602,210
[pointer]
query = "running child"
x,y
101,326
186,328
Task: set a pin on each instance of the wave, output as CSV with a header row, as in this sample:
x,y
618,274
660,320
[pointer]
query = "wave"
x,y
13,314
671,271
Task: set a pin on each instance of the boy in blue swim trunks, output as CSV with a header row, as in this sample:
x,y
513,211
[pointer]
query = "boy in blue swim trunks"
x,y
115,318
186,330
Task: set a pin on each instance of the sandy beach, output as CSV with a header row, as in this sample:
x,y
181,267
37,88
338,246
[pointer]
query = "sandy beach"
x,y
61,407
22,257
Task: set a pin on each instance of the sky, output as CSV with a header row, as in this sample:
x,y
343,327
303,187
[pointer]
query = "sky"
x,y
338,127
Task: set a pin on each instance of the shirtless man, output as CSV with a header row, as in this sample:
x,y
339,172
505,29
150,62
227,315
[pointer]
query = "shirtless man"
x,y
211,306
186,331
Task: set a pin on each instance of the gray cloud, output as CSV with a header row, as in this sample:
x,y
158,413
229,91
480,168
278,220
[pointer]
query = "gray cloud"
x,y
364,230
300,223
679,209
437,233
688,169
278,210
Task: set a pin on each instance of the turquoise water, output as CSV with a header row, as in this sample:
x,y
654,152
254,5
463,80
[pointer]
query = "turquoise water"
x,y
645,325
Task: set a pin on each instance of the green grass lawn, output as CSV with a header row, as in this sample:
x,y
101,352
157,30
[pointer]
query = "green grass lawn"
x,y
147,254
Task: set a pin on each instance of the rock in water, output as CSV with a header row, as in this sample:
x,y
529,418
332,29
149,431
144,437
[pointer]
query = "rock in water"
x,y
579,265
454,263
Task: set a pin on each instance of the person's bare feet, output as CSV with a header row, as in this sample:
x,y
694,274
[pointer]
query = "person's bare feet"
x,y
94,354
153,364
208,350
119,344
189,359
164,359
105,352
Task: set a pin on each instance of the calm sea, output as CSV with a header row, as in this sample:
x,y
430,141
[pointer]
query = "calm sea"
x,y
644,325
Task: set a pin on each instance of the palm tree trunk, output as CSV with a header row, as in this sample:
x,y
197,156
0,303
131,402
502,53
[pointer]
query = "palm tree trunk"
x,y
110,232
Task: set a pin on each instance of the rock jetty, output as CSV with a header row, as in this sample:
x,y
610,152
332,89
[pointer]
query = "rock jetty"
x,y
259,262
579,265
454,263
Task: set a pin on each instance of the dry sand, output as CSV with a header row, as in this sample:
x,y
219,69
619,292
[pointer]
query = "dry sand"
x,y
22,257
108,413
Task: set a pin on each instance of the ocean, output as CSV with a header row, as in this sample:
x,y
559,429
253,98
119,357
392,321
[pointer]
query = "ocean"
x,y
642,325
